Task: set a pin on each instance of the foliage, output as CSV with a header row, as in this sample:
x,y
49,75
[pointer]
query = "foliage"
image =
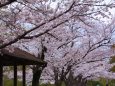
x,y
112,69
112,82
94,83
101,82
112,60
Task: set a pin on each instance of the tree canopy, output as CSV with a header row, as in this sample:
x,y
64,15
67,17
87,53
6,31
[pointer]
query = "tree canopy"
x,y
78,34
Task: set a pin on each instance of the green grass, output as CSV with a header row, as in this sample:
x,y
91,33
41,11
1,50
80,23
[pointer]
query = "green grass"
x,y
94,83
9,82
101,82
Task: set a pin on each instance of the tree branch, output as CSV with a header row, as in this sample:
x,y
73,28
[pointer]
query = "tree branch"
x,y
27,32
7,3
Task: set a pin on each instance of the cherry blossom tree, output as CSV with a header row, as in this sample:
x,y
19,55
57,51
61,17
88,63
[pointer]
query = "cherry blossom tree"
x,y
94,46
73,31
43,18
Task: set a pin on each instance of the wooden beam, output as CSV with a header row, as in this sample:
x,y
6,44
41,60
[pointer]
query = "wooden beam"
x,y
24,75
1,75
15,75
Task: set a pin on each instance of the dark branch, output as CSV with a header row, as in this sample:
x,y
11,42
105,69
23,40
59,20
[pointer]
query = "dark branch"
x,y
27,32
7,3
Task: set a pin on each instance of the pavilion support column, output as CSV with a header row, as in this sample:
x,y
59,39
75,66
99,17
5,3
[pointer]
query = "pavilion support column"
x,y
24,75
1,75
15,75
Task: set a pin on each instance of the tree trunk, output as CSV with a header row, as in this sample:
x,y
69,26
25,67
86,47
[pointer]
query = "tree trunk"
x,y
36,77
37,71
75,81
58,83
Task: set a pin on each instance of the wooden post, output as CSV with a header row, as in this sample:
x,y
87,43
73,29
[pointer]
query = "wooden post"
x,y
1,75
15,75
24,75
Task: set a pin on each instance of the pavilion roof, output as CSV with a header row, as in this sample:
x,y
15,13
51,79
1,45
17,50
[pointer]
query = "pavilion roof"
x,y
19,57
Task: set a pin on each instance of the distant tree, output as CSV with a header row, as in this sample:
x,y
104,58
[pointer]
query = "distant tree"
x,y
112,60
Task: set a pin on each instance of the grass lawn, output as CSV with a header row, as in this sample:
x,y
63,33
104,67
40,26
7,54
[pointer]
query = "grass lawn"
x,y
9,82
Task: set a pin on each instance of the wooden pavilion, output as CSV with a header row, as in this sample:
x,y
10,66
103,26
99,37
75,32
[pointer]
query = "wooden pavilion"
x,y
16,58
